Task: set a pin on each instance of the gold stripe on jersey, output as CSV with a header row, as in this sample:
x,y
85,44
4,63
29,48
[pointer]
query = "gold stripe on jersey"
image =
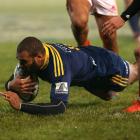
x,y
121,77
60,62
57,61
60,67
46,60
120,80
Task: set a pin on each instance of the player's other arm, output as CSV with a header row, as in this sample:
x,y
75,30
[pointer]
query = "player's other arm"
x,y
131,10
55,107
38,109
59,98
20,85
117,22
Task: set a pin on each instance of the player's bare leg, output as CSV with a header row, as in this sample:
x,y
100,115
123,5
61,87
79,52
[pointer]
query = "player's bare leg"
x,y
135,68
136,104
109,42
79,13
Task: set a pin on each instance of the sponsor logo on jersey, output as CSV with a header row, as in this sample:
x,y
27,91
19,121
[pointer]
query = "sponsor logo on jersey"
x,y
61,88
93,61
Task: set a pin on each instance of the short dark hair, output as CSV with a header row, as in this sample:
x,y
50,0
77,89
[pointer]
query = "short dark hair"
x,y
32,45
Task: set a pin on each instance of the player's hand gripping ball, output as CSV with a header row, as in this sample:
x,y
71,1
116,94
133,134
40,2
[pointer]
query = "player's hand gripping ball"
x,y
26,97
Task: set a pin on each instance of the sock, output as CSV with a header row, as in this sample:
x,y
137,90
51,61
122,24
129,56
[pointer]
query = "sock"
x,y
86,43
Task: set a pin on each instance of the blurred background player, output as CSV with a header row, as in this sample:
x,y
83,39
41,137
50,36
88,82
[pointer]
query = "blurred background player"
x,y
134,24
103,10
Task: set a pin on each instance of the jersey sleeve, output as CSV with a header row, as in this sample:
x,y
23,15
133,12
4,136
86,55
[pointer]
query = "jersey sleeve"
x,y
60,89
131,10
43,108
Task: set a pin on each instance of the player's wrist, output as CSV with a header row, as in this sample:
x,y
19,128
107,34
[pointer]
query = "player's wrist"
x,y
125,17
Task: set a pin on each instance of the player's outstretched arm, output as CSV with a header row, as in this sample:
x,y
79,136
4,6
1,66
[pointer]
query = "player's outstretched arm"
x,y
40,109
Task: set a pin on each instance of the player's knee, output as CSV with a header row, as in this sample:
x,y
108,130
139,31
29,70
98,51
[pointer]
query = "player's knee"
x,y
109,96
78,12
110,42
80,22
108,38
137,53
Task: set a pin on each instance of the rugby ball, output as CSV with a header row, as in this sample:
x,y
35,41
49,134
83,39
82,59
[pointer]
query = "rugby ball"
x,y
26,97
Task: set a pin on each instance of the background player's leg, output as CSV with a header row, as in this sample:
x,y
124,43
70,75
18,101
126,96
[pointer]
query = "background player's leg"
x,y
134,24
109,42
79,13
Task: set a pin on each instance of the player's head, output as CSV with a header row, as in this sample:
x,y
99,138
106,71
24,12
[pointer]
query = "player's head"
x,y
32,45
30,53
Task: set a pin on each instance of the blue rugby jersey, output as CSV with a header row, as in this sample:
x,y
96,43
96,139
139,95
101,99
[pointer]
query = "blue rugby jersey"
x,y
91,67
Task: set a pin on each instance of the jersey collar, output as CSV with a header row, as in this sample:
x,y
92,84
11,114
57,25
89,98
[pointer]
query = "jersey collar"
x,y
46,60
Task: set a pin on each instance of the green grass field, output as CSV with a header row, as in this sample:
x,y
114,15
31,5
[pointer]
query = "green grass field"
x,y
87,117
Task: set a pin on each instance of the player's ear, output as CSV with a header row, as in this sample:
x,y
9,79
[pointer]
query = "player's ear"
x,y
39,57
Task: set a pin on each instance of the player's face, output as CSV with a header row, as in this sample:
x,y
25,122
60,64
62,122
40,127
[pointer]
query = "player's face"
x,y
27,62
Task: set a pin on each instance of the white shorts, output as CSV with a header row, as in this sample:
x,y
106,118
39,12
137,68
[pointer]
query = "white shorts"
x,y
104,7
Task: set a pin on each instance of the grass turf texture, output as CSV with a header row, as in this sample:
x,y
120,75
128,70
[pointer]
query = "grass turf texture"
x,y
87,116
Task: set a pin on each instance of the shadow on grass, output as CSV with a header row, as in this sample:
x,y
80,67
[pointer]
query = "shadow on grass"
x,y
83,105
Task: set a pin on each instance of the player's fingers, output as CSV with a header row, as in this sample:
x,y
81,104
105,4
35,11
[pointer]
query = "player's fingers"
x,y
31,89
30,82
107,29
29,85
2,94
7,97
106,25
27,88
111,31
25,81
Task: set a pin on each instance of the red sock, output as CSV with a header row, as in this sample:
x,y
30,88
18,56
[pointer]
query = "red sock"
x,y
86,43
